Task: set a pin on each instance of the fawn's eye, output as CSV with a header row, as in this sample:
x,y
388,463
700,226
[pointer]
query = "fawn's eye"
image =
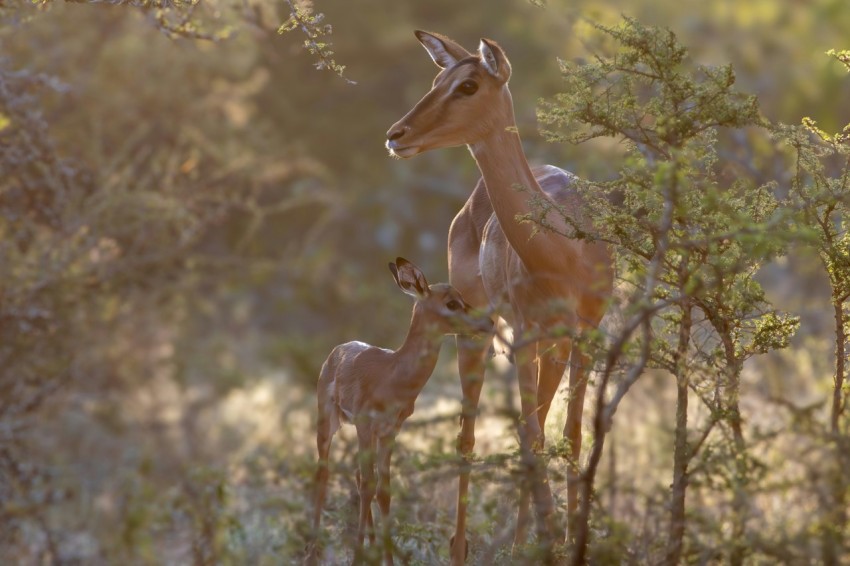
x,y
453,305
467,87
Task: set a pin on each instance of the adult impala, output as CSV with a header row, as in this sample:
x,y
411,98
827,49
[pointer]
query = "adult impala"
x,y
542,277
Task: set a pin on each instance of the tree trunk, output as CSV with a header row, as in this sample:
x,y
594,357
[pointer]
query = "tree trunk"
x,y
738,549
835,520
739,500
732,386
680,454
840,361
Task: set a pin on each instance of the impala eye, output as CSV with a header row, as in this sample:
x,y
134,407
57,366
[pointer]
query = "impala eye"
x,y
467,87
453,305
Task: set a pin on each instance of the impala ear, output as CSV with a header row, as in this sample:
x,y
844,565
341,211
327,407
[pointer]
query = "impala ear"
x,y
442,50
494,60
410,278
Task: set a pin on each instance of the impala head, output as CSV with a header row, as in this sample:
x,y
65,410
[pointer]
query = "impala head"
x,y
440,303
468,101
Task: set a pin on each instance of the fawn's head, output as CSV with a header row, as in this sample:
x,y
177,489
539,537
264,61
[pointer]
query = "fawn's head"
x,y
468,101
440,303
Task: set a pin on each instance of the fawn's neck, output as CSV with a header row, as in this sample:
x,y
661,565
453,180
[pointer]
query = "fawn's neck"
x,y
417,356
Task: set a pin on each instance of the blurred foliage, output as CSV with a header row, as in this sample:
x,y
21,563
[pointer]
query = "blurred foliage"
x,y
304,19
688,242
191,216
821,190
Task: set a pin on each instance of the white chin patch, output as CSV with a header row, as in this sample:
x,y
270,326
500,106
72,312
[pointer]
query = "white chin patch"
x,y
404,152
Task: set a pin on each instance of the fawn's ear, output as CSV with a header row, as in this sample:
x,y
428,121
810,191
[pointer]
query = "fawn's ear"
x,y
410,278
442,50
494,60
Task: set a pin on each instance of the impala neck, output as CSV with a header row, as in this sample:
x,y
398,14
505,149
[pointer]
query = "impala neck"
x,y
418,355
513,189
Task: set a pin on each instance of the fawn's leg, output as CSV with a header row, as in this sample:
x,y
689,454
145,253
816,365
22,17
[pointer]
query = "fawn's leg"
x,y
370,524
325,430
366,442
385,450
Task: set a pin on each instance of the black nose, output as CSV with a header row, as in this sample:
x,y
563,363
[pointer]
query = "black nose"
x,y
396,133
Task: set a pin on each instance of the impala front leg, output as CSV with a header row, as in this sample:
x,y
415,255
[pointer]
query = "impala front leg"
x,y
369,522
366,441
471,354
553,358
523,517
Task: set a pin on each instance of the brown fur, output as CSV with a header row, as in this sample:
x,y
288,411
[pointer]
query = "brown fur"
x,y
541,277
375,390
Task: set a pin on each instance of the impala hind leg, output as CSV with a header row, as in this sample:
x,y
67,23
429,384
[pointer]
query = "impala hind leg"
x,y
320,486
572,431
531,439
552,360
326,428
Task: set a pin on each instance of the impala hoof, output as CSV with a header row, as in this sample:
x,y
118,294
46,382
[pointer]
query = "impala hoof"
x,y
465,546
464,446
311,554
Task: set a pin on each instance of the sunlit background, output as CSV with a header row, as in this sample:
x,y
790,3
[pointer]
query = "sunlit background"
x,y
217,215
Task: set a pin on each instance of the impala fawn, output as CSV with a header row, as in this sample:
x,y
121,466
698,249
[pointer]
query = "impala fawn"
x,y
375,389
